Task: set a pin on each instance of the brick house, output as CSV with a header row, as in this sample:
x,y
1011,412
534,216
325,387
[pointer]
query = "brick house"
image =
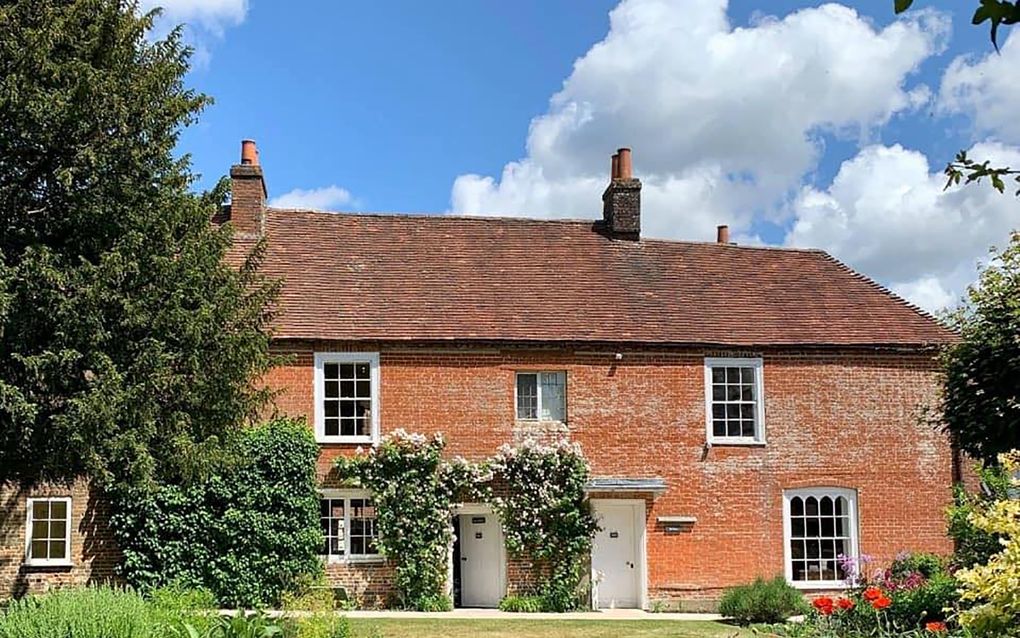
x,y
746,410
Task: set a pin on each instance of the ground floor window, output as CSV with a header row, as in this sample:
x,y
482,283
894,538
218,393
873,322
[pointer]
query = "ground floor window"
x,y
348,526
821,529
48,534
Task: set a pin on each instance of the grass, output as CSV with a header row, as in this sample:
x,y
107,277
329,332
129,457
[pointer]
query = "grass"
x,y
524,628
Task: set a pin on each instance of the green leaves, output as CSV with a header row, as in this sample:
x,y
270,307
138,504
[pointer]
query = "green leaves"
x,y
997,12
245,532
902,5
128,344
980,403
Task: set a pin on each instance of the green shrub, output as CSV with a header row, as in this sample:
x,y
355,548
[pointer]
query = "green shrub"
x,y
438,602
245,533
522,604
928,602
762,602
927,565
91,612
242,626
974,546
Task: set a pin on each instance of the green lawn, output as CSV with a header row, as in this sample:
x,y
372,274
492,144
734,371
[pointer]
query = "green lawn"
x,y
524,628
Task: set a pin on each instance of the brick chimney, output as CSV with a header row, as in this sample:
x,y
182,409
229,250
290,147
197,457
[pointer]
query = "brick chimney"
x,y
248,192
621,203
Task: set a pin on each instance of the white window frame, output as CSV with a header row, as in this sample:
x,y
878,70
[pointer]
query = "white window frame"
x,y
818,492
538,396
321,359
759,408
48,562
348,557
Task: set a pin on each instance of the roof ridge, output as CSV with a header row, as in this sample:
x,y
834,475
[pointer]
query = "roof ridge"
x,y
537,220
886,291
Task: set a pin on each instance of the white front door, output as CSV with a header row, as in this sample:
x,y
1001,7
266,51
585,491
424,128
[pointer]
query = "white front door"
x,y
481,556
615,555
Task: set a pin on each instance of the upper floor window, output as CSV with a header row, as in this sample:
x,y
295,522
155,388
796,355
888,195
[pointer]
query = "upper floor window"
x,y
542,395
821,533
348,526
48,537
346,397
734,403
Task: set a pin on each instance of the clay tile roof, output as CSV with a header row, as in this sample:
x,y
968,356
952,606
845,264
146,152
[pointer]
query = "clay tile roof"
x,y
425,278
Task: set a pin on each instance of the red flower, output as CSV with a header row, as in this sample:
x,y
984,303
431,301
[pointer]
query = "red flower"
x,y
845,604
823,604
936,627
871,594
881,602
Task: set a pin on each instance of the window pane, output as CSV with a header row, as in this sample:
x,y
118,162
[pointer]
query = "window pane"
x,y
58,550
811,506
332,389
332,427
347,389
346,370
332,408
553,396
363,390
362,371
797,506
527,396
747,429
718,375
40,529
330,370
718,428
58,529
39,550
41,510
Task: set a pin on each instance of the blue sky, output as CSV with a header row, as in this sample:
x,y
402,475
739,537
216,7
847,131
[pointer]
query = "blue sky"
x,y
805,125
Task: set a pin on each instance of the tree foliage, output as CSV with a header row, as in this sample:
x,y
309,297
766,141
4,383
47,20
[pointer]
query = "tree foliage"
x,y
127,345
981,392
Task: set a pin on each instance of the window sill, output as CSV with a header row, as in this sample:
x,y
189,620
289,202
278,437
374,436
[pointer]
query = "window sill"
x,y
347,440
736,443
353,560
48,563
540,422
818,585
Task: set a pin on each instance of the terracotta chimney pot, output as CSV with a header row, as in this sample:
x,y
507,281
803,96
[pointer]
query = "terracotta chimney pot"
x,y
249,153
723,234
626,171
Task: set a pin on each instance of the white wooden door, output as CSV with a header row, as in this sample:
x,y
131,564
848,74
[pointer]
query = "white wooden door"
x,y
480,557
614,556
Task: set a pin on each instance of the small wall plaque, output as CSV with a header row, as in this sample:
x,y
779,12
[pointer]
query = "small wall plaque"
x,y
614,534
478,520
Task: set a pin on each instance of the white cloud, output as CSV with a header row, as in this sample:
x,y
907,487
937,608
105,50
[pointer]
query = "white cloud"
x,y
325,198
886,214
213,15
985,89
204,22
720,130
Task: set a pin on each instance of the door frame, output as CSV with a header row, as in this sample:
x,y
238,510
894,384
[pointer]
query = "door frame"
x,y
481,509
637,506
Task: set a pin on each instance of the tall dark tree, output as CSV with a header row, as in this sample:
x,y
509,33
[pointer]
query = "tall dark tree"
x,y
981,394
128,347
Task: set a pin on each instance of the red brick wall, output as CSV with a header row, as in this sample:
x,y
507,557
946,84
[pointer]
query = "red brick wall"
x,y
93,552
845,419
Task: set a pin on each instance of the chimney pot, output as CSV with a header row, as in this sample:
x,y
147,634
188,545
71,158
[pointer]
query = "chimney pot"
x,y
249,153
723,234
625,171
614,172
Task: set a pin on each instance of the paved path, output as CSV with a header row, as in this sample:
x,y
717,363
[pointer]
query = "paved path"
x,y
490,614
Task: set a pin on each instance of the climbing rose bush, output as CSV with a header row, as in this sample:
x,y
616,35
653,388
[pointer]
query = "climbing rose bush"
x,y
546,516
414,491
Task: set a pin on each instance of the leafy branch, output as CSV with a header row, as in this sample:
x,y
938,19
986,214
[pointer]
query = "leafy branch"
x,y
997,12
968,170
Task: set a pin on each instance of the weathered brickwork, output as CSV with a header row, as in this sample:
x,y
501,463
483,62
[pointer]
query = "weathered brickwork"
x,y
93,551
368,585
844,419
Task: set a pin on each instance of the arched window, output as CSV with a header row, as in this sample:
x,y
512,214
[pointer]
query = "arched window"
x,y
820,533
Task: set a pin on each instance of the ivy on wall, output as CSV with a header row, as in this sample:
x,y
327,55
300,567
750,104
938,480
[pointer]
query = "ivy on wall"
x,y
544,512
